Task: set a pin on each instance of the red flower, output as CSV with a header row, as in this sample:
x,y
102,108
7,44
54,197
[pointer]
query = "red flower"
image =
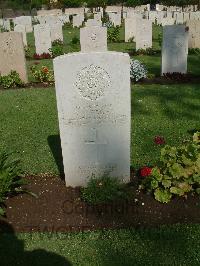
x,y
159,140
45,70
145,171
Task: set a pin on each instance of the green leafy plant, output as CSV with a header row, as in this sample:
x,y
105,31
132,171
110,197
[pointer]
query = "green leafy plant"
x,y
11,80
75,40
194,51
114,34
27,52
104,189
57,42
10,178
160,39
2,29
178,172
148,51
42,74
56,51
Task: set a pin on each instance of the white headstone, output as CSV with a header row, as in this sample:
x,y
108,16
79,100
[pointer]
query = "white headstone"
x,y
6,24
56,32
22,29
194,33
26,21
93,39
78,20
12,55
115,18
64,19
75,11
130,28
168,21
42,35
143,34
179,18
93,100
93,23
174,49
97,16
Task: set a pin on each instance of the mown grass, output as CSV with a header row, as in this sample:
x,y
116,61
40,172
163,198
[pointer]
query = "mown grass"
x,y
30,125
173,245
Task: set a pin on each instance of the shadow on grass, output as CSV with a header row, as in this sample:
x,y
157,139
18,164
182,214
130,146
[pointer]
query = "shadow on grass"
x,y
12,251
173,102
164,246
55,146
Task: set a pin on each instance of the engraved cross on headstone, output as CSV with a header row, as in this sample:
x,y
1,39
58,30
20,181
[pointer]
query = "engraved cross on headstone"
x,y
95,140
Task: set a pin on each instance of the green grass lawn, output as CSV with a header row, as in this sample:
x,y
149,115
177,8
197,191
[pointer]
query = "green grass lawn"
x,y
174,245
30,124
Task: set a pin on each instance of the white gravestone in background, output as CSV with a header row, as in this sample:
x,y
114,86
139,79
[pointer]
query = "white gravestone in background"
x,y
175,49
42,36
194,33
93,23
93,39
78,21
97,16
115,18
6,24
93,100
56,32
26,21
22,29
12,55
143,34
130,28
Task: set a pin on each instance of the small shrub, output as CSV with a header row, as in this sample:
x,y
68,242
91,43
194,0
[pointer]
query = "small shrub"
x,y
160,39
57,42
11,80
108,24
27,52
104,189
151,76
177,173
194,51
10,178
75,40
2,29
137,70
175,76
56,51
42,74
114,34
148,51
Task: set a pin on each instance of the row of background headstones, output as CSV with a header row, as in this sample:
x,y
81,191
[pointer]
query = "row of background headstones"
x,y
55,22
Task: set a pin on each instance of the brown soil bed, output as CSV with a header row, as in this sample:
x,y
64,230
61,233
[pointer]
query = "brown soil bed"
x,y
60,209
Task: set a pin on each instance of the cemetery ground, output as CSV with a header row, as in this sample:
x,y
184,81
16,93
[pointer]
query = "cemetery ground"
x,y
152,62
30,127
